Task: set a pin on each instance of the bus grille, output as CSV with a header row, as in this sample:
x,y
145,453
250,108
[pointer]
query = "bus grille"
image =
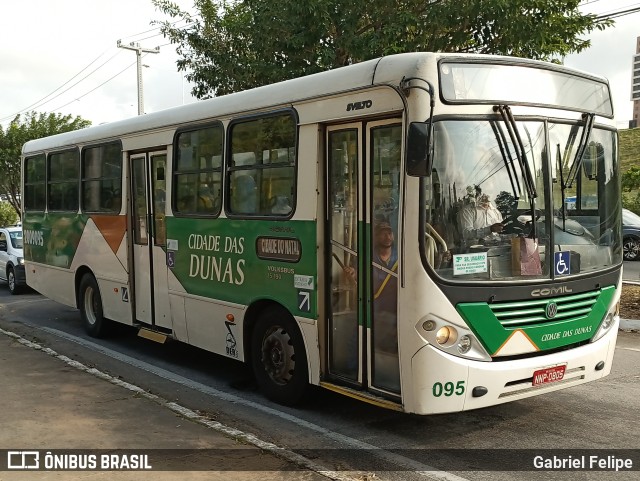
x,y
533,312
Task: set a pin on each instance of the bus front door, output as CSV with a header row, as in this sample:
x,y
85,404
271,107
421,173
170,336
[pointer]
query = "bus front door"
x,y
150,285
363,192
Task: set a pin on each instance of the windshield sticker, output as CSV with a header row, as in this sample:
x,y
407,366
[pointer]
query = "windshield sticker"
x,y
562,263
473,263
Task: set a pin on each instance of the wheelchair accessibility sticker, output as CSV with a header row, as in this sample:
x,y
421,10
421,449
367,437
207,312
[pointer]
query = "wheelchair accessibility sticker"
x,y
562,263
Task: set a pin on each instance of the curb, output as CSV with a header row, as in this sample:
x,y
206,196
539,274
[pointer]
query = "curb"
x,y
630,324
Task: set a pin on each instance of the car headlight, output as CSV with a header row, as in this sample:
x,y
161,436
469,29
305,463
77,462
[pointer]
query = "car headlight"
x,y
21,261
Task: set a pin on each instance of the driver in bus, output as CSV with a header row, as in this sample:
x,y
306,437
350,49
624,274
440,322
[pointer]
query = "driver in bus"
x,y
480,217
385,286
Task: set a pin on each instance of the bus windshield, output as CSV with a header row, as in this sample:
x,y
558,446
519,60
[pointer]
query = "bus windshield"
x,y
496,210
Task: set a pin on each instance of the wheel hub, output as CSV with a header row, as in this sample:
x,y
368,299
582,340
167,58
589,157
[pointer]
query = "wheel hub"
x,y
278,355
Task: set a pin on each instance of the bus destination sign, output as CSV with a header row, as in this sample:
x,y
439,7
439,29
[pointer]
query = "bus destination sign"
x,y
279,249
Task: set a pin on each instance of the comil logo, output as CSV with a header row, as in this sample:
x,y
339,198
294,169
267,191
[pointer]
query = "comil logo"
x,y
23,460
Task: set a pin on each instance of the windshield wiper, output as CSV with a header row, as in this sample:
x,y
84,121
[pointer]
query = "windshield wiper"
x,y
518,146
563,207
507,158
589,119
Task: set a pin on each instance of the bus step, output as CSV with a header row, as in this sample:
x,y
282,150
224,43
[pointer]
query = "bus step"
x,y
152,335
363,396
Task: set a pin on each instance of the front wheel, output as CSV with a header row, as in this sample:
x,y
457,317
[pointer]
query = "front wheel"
x,y
279,358
91,307
14,288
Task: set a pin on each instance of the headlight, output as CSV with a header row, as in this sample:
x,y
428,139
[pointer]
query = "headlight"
x,y
429,325
446,335
21,261
609,320
464,344
456,340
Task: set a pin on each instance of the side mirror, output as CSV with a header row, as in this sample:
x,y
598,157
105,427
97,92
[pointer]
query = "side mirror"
x,y
3,246
418,149
593,154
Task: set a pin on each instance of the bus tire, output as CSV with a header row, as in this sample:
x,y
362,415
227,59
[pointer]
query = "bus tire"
x,y
279,358
91,307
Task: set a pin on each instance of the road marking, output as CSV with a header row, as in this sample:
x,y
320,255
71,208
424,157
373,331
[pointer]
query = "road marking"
x,y
629,349
406,463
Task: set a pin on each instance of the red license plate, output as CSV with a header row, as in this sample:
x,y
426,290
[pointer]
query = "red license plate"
x,y
551,374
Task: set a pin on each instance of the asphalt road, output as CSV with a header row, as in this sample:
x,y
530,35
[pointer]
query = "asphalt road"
x,y
631,271
349,435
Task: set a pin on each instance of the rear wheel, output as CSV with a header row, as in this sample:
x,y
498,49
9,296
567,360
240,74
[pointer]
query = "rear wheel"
x,y
11,280
91,307
279,358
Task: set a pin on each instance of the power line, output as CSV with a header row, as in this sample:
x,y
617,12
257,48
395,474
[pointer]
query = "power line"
x,y
44,101
619,13
96,88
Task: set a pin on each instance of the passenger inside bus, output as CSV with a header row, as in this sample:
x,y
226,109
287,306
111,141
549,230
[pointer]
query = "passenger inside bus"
x,y
245,199
385,286
207,201
281,205
479,217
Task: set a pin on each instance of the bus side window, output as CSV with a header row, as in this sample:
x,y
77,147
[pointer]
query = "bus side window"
x,y
197,171
261,173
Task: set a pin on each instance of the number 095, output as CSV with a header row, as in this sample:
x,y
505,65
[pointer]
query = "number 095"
x,y
448,389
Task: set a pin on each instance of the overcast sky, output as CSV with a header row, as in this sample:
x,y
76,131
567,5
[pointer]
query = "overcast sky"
x,y
45,43
611,54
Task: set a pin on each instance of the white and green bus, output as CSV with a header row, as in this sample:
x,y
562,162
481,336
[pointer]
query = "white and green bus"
x,y
398,230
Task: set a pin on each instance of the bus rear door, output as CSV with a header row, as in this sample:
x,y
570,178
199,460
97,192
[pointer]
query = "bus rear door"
x,y
148,194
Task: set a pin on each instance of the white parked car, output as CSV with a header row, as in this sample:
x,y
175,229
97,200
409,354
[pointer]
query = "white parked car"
x,y
12,258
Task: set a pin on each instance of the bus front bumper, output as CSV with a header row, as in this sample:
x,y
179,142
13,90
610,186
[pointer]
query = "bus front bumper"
x,y
443,383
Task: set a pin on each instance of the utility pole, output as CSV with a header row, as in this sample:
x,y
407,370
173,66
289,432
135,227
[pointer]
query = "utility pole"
x,y
138,50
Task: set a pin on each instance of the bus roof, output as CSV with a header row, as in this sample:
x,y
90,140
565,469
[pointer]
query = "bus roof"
x,y
387,70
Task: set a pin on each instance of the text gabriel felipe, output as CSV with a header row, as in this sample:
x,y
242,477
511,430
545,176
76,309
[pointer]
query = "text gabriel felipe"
x,y
609,463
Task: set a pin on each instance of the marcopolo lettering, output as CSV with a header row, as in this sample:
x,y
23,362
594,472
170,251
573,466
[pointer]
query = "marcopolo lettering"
x,y
364,104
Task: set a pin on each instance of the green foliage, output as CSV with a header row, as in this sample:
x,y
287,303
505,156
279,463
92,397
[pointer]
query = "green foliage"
x,y
8,215
22,129
631,179
629,159
229,46
631,201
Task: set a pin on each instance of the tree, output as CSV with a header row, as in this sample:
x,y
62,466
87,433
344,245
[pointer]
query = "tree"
x,y
8,215
22,129
631,179
235,45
